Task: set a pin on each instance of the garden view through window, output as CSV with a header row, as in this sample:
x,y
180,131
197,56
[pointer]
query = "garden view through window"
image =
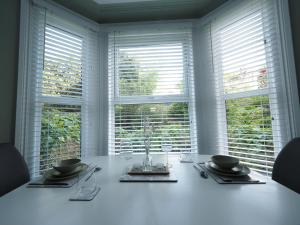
x,y
169,121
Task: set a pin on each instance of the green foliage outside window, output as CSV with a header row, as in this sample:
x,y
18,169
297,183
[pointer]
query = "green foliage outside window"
x,y
168,121
60,134
249,130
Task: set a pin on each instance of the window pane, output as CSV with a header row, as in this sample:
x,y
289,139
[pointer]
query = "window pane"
x,y
243,55
62,75
60,134
168,121
249,130
151,70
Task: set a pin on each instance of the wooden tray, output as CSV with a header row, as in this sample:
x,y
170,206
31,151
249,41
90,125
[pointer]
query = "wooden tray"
x,y
153,171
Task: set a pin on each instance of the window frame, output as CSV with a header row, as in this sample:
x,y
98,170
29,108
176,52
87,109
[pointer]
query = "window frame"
x,y
185,97
42,99
27,118
150,98
204,72
240,94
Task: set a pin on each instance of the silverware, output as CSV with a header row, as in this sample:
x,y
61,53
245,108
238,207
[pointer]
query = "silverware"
x,y
96,169
203,173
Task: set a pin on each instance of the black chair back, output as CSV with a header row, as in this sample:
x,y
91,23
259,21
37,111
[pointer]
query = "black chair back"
x,y
13,169
286,170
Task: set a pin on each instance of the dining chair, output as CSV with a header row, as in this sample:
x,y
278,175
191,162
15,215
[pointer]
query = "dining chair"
x,y
13,169
286,169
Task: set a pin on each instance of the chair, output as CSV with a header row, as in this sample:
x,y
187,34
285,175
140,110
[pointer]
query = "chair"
x,y
286,170
13,169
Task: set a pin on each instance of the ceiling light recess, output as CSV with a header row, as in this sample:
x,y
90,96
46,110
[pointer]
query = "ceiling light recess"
x,y
106,2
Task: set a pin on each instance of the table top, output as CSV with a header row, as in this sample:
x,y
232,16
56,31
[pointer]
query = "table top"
x,y
191,201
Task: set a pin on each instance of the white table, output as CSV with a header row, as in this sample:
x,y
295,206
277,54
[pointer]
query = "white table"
x,y
191,201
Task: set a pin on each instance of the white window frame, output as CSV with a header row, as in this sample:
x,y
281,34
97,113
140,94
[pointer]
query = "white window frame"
x,y
252,93
155,98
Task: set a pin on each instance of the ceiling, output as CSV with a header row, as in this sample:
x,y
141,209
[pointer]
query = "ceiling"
x,y
141,11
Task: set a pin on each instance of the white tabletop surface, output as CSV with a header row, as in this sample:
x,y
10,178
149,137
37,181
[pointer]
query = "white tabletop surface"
x,y
191,201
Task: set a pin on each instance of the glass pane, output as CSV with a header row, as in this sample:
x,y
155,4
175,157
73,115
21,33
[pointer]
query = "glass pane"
x,y
168,121
62,75
60,134
249,130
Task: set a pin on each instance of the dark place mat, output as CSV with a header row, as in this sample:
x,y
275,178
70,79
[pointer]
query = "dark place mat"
x,y
252,178
41,182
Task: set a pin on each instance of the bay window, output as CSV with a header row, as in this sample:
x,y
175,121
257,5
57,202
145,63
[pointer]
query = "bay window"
x,y
82,85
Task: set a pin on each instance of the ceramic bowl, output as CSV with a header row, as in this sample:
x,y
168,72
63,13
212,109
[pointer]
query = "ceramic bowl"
x,y
225,161
67,165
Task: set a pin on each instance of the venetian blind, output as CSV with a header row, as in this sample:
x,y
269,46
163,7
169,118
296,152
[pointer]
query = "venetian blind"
x,y
63,81
151,77
251,110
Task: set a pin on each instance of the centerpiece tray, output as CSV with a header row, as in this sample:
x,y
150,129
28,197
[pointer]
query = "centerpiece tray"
x,y
171,178
154,173
159,169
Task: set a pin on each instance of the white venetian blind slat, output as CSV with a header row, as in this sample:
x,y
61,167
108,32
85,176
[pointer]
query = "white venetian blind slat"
x,y
251,113
150,75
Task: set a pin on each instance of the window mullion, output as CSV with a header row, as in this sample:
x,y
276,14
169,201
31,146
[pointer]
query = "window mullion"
x,y
246,94
61,100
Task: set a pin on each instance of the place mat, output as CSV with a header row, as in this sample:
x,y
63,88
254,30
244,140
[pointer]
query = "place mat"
x,y
252,178
80,196
148,178
41,182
